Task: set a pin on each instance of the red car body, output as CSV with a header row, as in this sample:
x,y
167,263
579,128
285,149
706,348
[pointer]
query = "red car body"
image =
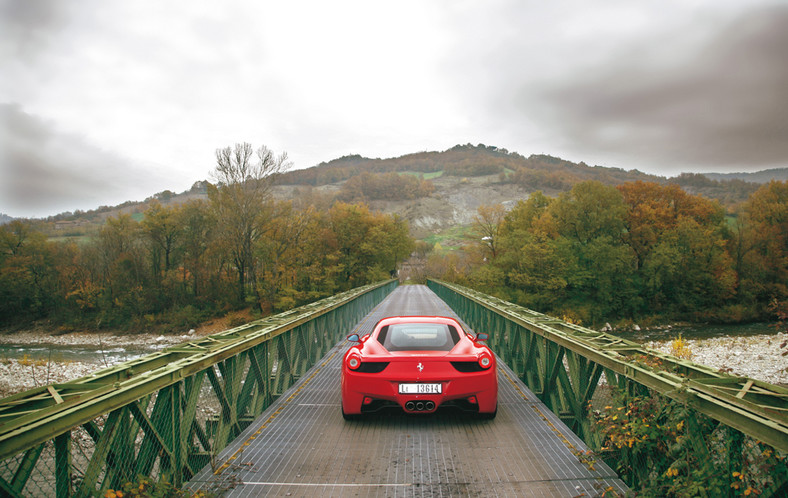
x,y
419,364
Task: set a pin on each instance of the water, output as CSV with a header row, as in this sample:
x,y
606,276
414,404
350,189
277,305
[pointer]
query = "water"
x,y
703,331
66,353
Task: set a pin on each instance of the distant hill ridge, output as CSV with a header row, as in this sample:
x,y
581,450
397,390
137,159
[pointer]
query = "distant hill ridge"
x,y
462,161
765,176
451,170
480,160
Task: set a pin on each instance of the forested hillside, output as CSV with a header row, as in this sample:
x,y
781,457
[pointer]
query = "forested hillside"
x,y
536,172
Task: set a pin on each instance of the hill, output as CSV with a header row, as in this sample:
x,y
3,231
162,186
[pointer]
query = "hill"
x,y
437,192
765,176
465,177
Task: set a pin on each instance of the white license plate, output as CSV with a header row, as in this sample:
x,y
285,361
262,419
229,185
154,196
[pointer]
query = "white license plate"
x,y
419,388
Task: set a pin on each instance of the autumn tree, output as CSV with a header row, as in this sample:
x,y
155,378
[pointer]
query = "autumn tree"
x,y
241,203
368,245
763,256
197,228
160,231
522,218
487,227
653,209
28,278
277,250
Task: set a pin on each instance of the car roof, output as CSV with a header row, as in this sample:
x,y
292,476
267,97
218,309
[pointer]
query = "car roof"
x,y
418,319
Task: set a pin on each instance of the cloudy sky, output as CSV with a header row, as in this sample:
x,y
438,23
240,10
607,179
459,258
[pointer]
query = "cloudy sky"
x,y
103,101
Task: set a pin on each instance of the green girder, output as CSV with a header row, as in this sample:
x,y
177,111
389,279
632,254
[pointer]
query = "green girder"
x,y
140,416
536,345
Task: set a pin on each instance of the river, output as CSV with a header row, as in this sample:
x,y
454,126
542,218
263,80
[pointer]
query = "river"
x,y
702,331
68,353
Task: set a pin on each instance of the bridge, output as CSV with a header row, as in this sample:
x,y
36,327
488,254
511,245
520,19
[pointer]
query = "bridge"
x,y
254,411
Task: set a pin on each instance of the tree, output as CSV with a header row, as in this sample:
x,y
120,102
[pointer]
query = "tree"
x,y
240,202
197,227
487,225
28,278
588,211
764,258
654,209
689,269
525,213
160,229
286,231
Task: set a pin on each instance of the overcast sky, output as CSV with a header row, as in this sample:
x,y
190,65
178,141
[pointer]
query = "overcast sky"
x,y
103,101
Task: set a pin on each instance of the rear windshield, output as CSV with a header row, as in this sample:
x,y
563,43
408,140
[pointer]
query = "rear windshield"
x,y
418,337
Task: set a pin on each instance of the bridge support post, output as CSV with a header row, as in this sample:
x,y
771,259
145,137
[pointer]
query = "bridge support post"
x,y
63,471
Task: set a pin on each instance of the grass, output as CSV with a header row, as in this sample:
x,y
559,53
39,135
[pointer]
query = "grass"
x,y
426,176
451,238
77,239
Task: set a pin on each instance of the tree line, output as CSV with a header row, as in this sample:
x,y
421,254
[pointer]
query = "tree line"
x,y
637,250
182,264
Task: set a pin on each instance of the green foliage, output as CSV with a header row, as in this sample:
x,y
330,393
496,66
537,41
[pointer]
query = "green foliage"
x,y
599,253
664,448
145,487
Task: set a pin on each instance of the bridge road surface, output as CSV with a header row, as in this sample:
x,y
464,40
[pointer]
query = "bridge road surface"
x,y
301,445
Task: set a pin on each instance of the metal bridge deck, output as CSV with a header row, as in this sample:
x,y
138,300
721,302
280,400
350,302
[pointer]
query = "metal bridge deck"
x,y
301,446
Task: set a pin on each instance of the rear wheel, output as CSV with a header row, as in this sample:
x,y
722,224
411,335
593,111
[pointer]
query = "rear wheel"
x,y
349,416
487,415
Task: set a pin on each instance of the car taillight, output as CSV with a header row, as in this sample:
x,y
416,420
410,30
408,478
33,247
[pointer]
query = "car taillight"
x,y
353,362
485,361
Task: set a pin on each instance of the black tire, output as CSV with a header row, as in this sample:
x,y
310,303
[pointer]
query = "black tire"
x,y
348,416
487,415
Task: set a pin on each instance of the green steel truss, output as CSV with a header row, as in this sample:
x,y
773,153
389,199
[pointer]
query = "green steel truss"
x,y
562,364
168,414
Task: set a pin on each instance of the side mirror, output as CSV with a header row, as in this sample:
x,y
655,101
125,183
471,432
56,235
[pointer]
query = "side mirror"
x,y
481,337
353,338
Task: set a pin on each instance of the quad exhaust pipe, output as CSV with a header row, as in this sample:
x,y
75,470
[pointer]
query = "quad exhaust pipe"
x,y
420,406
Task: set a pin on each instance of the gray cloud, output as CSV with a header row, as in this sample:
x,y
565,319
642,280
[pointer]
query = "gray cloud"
x,y
118,100
718,103
27,26
44,171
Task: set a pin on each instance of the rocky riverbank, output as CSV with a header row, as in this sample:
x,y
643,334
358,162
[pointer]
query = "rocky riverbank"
x,y
20,374
762,357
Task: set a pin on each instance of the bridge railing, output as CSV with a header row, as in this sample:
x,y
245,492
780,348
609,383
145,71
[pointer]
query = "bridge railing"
x,y
572,369
166,415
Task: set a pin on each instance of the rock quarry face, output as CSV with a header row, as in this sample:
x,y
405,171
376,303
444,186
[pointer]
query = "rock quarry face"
x,y
455,202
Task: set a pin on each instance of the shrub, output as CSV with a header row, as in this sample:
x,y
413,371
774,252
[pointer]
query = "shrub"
x,y
680,348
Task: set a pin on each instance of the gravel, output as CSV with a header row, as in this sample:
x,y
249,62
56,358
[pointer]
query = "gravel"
x,y
760,357
21,374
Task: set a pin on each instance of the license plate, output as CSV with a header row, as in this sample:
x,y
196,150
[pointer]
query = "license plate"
x,y
419,388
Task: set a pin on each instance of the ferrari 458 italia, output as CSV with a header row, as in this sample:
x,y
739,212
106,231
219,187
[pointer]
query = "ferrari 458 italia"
x,y
419,364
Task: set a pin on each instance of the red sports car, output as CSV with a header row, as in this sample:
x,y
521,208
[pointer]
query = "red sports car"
x,y
419,363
